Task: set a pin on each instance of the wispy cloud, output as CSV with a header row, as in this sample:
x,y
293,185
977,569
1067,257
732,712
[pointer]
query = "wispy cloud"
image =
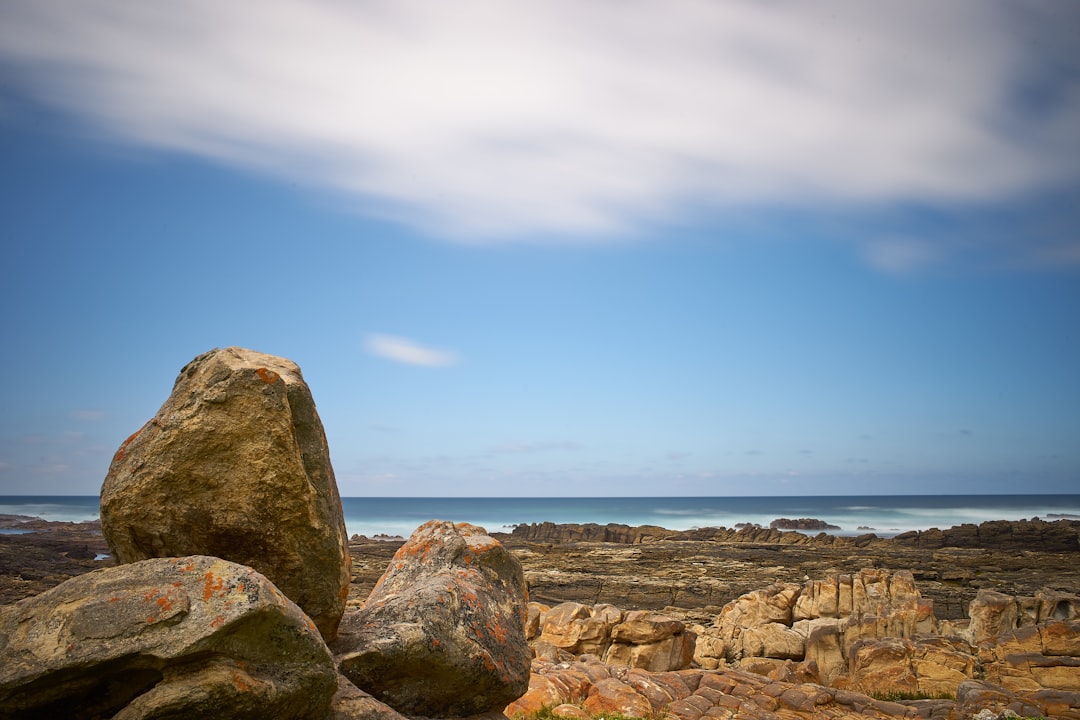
x,y
493,119
409,352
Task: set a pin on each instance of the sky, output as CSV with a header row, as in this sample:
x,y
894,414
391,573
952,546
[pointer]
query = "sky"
x,y
647,248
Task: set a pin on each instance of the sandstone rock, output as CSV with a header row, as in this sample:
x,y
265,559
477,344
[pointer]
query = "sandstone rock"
x,y
442,634
671,653
825,648
180,637
651,641
614,696
773,640
639,627
992,613
1036,657
578,628
235,465
534,612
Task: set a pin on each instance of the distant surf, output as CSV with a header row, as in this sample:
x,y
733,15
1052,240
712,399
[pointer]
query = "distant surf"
x,y
884,515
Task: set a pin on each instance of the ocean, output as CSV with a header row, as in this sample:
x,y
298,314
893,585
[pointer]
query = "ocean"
x,y
885,515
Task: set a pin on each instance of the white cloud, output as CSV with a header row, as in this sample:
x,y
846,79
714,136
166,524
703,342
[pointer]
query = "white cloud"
x,y
491,119
409,352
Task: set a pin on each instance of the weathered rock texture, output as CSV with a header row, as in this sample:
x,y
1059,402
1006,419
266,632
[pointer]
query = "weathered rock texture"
x,y
697,694
638,638
871,631
180,637
1034,534
442,633
235,464
817,621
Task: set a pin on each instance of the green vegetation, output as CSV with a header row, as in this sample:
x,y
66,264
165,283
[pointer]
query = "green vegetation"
x,y
545,713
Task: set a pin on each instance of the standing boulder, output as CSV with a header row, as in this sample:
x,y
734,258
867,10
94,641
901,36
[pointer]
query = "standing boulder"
x,y
235,464
178,637
443,632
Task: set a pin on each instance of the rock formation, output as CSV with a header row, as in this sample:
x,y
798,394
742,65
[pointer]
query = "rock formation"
x,y
442,633
1062,535
569,688
1035,534
235,465
801,524
193,637
638,638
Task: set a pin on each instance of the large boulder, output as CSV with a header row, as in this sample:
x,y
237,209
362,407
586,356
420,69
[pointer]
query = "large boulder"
x,y
180,637
235,464
442,633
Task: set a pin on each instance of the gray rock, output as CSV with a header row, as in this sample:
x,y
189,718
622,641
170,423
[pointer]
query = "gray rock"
x,y
442,634
180,637
235,465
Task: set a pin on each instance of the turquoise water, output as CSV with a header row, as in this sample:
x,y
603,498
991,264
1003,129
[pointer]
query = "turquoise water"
x,y
882,514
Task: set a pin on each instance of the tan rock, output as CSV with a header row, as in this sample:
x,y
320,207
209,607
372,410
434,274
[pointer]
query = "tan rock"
x,y
180,637
672,653
235,465
883,666
614,696
551,685
769,605
639,627
532,619
824,647
940,665
579,628
992,613
773,640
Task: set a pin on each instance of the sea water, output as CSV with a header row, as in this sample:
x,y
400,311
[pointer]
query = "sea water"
x,y
884,515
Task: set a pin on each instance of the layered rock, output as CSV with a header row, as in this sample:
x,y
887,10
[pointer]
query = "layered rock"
x,y
235,465
442,633
1035,657
181,637
817,621
638,638
1034,534
994,613
589,532
697,694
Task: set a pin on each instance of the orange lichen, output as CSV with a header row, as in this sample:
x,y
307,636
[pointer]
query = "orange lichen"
x,y
242,682
218,621
211,585
267,376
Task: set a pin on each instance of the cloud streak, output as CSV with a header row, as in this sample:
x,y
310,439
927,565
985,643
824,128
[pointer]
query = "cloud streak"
x,y
492,120
408,352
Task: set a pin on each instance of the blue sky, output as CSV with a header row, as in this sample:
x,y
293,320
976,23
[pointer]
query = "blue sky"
x,y
555,249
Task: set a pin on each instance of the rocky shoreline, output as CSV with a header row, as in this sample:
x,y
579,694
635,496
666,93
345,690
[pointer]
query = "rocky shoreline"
x,y
220,583
689,573
687,580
